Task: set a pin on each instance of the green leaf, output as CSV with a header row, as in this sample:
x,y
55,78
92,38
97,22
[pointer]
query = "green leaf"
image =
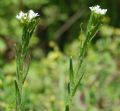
x,y
75,89
71,72
27,69
68,88
18,94
67,108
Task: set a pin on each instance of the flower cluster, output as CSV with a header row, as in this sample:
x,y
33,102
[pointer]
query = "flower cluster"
x,y
98,10
26,16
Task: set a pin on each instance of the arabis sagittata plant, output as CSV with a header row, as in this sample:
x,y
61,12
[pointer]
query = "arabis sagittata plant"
x,y
94,23
29,21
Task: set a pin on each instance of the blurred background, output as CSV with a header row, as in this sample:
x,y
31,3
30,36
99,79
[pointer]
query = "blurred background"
x,y
56,38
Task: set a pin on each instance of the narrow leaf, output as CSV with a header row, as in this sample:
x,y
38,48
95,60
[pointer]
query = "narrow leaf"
x,y
75,89
71,72
67,108
18,94
27,69
69,88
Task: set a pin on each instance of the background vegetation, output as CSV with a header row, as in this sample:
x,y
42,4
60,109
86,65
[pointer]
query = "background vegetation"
x,y
57,37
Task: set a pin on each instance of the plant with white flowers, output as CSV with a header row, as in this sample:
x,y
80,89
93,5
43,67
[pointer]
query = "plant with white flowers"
x,y
75,76
29,21
26,16
98,10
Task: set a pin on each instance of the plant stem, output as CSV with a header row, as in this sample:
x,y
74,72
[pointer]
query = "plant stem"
x,y
91,30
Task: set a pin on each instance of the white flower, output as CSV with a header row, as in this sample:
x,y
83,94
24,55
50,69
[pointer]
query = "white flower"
x,y
32,14
98,10
21,15
26,16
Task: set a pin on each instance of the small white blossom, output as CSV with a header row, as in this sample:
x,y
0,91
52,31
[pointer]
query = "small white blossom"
x,y
98,10
26,16
21,15
32,14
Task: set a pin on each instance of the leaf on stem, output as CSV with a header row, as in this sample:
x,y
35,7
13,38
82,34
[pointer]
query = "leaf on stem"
x,y
71,72
77,84
67,108
27,69
18,92
69,88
